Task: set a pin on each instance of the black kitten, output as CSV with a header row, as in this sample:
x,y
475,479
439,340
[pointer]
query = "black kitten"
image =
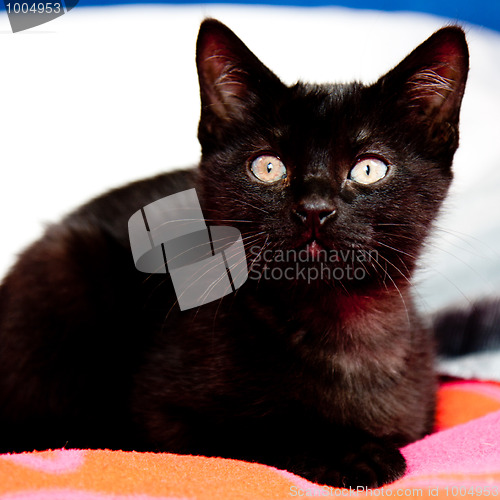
x,y
319,363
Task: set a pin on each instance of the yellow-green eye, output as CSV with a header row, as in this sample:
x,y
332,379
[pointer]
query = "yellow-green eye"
x,y
268,168
368,171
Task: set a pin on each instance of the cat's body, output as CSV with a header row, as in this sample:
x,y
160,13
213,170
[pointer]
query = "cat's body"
x,y
324,377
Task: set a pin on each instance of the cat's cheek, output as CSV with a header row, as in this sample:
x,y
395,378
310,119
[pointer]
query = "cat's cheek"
x,y
348,191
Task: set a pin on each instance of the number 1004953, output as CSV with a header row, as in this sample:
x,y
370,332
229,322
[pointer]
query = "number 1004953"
x,y
34,8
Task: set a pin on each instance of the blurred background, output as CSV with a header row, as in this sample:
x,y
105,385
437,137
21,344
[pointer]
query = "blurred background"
x,y
107,94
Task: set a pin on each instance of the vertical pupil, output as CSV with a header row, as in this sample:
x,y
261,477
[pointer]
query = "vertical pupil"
x,y
367,170
269,167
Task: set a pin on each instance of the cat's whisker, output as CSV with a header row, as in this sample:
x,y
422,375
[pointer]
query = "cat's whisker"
x,y
209,253
217,280
264,246
437,247
235,292
465,237
248,234
179,296
403,275
157,271
403,263
252,262
396,250
397,289
227,291
182,253
240,202
471,250
207,291
248,270
462,261
363,266
176,301
178,222
437,271
254,244
231,220
384,276
446,278
341,284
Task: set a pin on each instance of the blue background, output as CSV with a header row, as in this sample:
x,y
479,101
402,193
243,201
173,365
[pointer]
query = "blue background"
x,y
481,12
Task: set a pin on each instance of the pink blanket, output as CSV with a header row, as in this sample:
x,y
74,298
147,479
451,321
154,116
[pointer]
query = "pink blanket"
x,y
461,459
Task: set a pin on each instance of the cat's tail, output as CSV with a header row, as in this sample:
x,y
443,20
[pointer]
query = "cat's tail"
x,y
468,340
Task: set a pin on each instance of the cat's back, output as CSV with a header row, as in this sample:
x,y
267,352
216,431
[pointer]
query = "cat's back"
x,y
70,339
112,210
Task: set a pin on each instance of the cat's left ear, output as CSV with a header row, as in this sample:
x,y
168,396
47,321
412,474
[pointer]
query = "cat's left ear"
x,y
232,79
430,82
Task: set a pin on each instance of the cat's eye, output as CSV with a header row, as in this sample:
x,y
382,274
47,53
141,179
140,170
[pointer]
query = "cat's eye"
x,y
268,168
368,171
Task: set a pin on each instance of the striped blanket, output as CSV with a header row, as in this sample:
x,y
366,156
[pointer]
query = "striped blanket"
x,y
461,458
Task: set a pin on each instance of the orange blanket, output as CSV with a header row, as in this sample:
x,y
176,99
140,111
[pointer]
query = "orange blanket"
x,y
462,458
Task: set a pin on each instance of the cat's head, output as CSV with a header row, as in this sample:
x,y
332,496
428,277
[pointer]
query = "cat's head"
x,y
342,168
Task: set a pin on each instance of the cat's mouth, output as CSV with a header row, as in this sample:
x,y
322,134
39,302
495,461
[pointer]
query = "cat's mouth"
x,y
314,248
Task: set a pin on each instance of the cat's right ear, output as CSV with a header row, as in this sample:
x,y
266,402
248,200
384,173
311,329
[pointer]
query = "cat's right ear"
x,y
232,79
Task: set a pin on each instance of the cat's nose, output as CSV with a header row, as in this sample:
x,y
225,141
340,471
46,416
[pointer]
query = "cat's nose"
x,y
314,213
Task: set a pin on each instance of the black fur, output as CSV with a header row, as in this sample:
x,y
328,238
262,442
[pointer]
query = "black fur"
x,y
470,329
324,377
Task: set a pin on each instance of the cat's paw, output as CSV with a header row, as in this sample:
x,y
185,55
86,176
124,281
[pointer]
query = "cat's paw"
x,y
372,465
